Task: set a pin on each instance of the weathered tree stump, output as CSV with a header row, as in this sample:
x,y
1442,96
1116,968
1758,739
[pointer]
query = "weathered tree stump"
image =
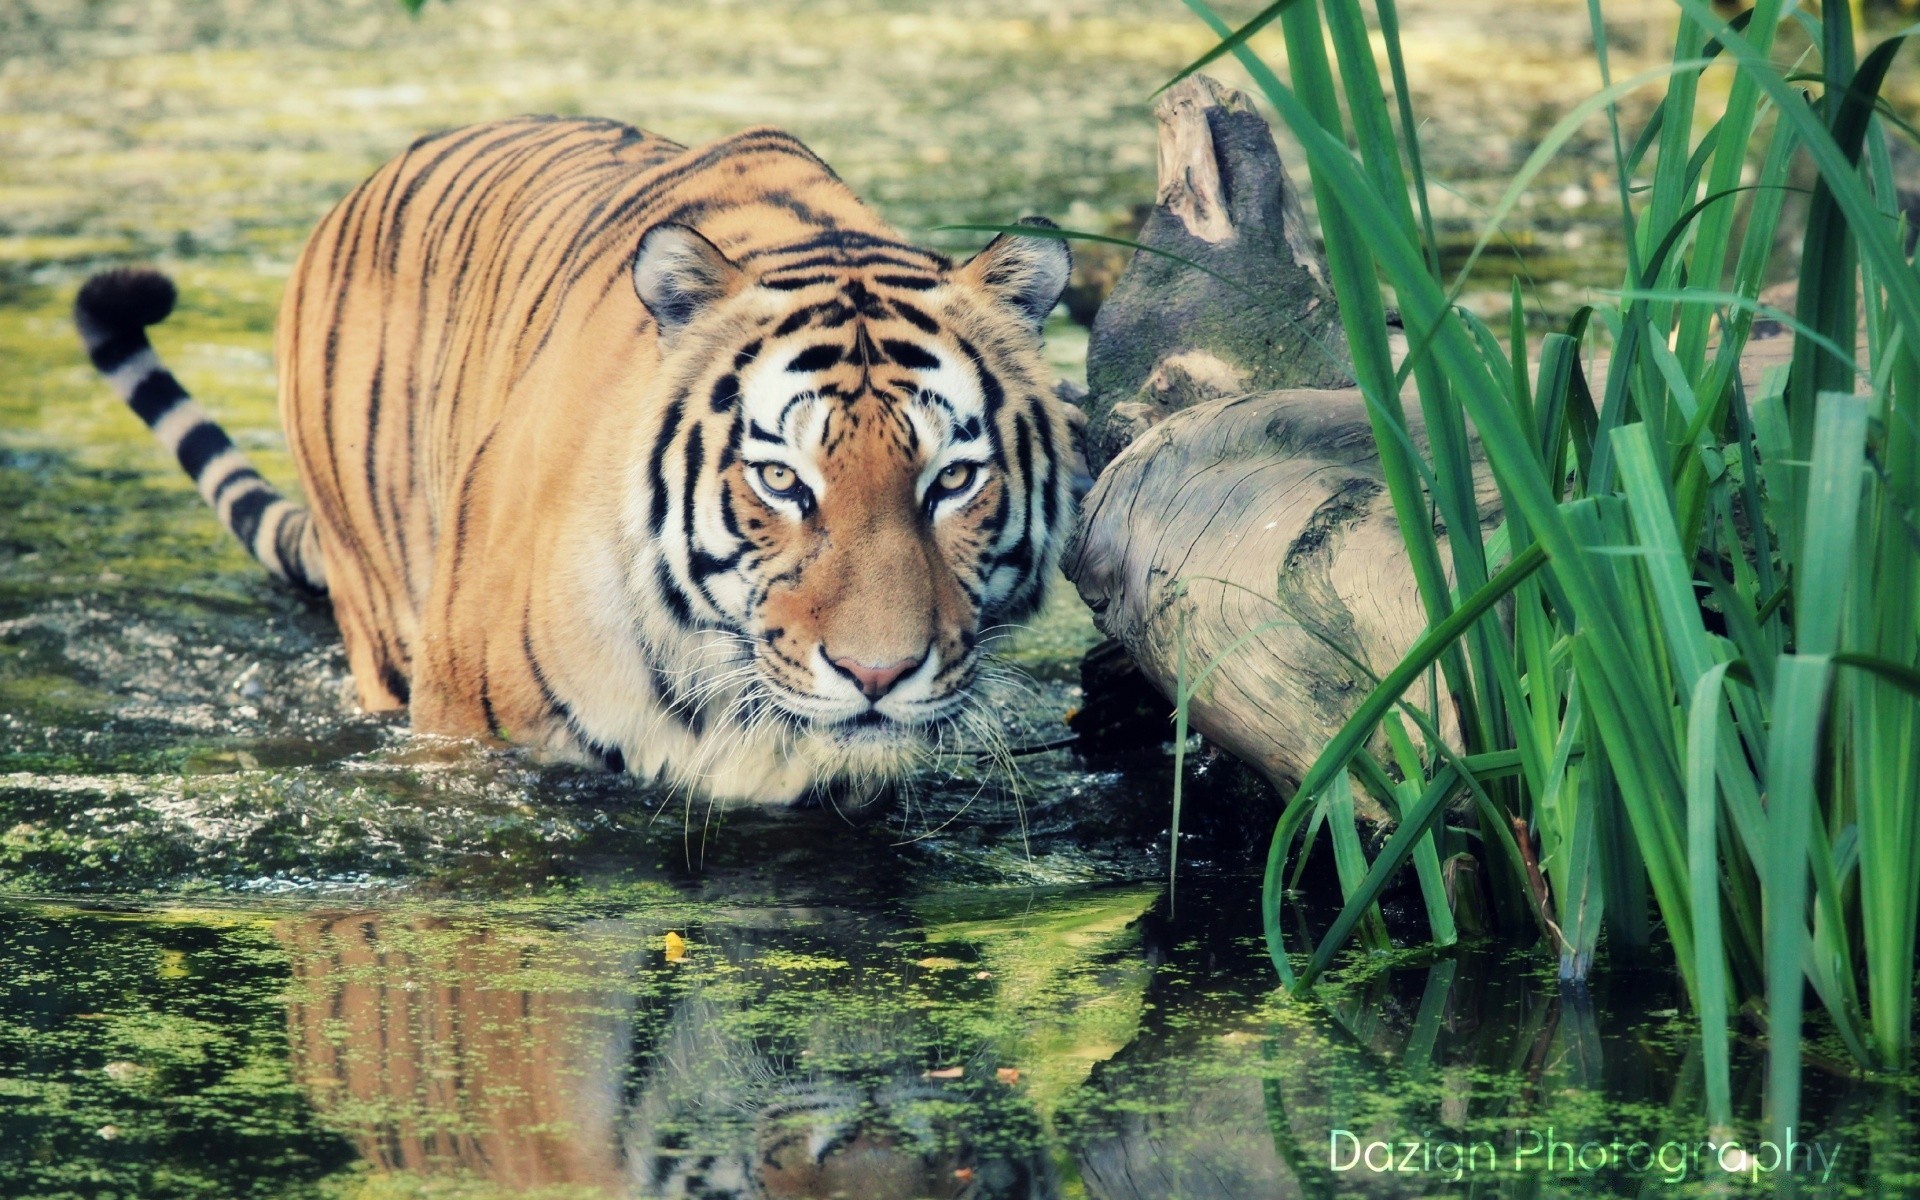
x,y
1169,334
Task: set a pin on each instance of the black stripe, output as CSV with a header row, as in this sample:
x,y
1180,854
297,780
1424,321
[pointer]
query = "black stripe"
x,y
916,283
854,240
1049,495
908,355
834,314
915,317
234,479
244,517
1021,554
726,392
155,396
678,607
110,354
803,212
609,756
555,705
727,517
202,444
797,318
990,388
656,465
845,260
868,304
702,565
486,704
394,223
396,682
996,522
690,717
815,358
286,546
795,284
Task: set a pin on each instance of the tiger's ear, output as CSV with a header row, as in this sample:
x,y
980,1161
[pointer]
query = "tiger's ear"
x,y
678,274
1027,274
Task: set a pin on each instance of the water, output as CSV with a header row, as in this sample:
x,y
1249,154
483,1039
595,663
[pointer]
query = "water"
x,y
845,1033
253,943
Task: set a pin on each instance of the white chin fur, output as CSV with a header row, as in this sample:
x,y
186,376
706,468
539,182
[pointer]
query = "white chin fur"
x,y
782,769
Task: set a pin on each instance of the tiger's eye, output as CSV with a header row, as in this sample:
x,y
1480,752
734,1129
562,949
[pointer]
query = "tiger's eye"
x,y
956,477
777,478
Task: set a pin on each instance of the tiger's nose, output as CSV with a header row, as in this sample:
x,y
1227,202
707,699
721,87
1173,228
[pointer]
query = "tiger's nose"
x,y
875,682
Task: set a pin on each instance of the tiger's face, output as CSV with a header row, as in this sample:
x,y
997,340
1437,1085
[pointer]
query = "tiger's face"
x,y
862,469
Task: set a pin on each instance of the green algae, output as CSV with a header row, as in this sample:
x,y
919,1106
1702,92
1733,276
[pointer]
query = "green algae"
x,y
1055,1043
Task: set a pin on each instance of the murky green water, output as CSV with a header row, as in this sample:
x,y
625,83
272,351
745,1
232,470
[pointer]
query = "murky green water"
x,y
853,1033
253,943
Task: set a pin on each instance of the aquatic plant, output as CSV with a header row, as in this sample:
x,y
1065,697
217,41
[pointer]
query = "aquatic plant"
x,y
1685,666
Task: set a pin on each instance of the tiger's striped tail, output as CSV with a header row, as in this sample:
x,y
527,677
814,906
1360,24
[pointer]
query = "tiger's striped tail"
x,y
113,311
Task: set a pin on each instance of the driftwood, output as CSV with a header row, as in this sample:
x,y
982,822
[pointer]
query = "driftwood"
x,y
1258,510
1230,502
1169,334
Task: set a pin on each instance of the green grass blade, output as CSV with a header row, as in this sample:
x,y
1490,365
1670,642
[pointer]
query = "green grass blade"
x,y
1645,483
1651,133
1703,866
1509,452
1426,856
1182,699
1409,127
1350,859
1885,715
1793,761
1828,298
1553,141
1832,520
1901,676
1414,825
1367,104
1624,167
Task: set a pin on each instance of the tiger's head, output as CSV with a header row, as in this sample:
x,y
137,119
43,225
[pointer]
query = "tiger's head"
x,y
861,471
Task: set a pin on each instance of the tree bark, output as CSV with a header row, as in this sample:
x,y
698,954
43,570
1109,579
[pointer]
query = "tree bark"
x,y
1264,318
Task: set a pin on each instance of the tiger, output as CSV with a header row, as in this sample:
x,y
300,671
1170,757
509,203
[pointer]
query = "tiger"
x,y
620,1074
676,461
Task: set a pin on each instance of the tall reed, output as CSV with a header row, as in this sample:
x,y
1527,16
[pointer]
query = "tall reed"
x,y
1686,665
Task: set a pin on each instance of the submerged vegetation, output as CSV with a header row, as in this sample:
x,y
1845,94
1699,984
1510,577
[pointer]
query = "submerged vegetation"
x,y
1686,667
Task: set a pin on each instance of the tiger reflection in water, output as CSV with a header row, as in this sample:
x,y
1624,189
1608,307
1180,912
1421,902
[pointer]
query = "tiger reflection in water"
x,y
445,1048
